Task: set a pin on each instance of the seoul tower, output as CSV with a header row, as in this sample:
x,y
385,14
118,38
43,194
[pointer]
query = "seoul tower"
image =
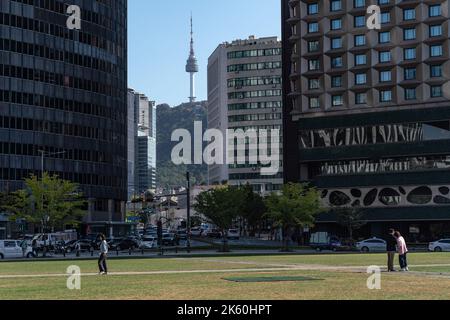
x,y
192,66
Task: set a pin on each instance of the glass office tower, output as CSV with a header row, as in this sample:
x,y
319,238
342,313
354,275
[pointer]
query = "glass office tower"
x,y
63,94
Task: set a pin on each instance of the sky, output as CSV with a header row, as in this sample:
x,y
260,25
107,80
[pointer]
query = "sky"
x,y
159,35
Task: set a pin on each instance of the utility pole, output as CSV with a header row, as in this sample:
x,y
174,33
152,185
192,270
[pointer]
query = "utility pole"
x,y
188,202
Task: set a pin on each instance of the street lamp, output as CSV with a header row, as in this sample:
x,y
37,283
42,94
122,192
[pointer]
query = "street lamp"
x,y
188,213
48,154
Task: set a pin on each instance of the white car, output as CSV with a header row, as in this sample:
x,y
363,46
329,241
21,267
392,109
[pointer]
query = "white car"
x,y
440,245
196,231
11,249
372,245
233,234
149,242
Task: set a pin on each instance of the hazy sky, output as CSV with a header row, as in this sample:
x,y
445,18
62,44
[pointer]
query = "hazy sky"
x,y
158,40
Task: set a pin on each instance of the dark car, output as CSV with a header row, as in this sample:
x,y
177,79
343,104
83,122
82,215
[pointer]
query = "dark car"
x,y
182,234
124,244
170,239
215,233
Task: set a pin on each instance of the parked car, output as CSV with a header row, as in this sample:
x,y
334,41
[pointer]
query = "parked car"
x,y
182,234
323,241
196,231
233,234
85,245
442,245
149,242
11,249
372,245
170,239
124,244
214,233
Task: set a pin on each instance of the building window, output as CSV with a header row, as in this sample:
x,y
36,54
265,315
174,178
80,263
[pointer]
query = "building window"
x,y
314,65
337,62
436,50
384,37
314,84
336,24
410,73
336,5
409,34
313,46
338,100
313,27
360,21
409,54
313,8
435,31
409,14
336,43
410,94
360,59
361,78
361,98
314,103
385,76
435,10
381,2
385,56
360,40
385,17
436,71
359,3
336,82
436,91
386,96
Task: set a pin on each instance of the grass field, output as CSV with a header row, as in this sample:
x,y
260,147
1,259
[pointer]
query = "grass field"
x,y
335,277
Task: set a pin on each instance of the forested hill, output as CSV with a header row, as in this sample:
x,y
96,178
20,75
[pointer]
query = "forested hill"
x,y
168,120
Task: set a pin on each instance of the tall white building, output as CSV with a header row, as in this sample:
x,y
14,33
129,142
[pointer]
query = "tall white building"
x,y
141,143
245,92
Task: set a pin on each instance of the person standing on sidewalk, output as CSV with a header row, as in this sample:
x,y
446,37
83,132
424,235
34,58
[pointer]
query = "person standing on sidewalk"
x,y
402,251
103,268
391,245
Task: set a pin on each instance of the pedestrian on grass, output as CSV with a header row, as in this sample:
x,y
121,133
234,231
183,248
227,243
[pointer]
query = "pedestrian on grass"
x,y
391,245
402,251
78,248
103,268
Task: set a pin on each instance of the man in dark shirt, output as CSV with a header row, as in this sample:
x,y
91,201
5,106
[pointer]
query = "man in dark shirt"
x,y
391,244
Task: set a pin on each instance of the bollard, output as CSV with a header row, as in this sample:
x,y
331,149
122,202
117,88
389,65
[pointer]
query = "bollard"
x,y
129,252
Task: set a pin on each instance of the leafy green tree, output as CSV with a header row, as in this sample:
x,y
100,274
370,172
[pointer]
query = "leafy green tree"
x,y
220,206
296,206
351,218
50,202
253,209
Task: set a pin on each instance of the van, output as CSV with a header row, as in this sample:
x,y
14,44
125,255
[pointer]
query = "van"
x,y
11,249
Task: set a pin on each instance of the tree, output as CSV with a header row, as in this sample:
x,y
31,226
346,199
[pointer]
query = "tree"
x,y
50,202
297,205
253,209
220,206
352,218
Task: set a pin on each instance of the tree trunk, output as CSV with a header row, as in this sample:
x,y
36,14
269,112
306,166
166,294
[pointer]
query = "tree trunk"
x,y
225,247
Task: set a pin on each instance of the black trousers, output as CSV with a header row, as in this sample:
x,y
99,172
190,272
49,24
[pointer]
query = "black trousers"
x,y
102,263
403,261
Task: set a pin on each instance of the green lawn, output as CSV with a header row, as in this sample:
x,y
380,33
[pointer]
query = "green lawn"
x,y
206,280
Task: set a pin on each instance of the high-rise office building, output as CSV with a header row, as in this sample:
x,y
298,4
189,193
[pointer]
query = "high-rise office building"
x,y
244,92
63,93
367,112
141,143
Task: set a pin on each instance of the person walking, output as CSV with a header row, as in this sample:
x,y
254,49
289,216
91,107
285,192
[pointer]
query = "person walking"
x,y
103,268
34,246
391,246
78,248
24,246
402,251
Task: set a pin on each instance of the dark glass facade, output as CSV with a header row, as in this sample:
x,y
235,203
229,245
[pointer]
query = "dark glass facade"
x,y
367,113
63,92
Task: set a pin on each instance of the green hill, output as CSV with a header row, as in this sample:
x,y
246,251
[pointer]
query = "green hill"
x,y
168,120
